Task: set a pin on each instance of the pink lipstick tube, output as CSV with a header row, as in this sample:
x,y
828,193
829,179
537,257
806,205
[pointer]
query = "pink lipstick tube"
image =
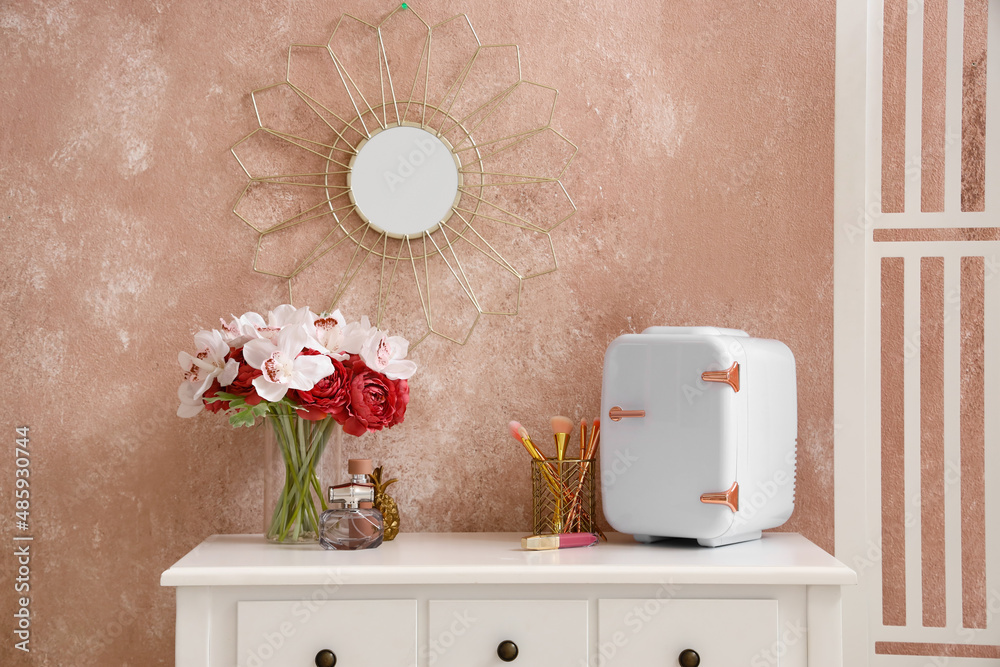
x,y
559,541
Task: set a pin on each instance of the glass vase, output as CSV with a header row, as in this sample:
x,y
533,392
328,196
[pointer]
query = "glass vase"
x,y
302,458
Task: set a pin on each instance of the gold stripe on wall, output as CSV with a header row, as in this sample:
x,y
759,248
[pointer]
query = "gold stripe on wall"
x,y
934,235
893,500
942,650
932,547
932,126
974,106
973,444
893,105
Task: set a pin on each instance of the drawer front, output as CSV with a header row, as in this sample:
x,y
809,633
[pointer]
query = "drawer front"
x,y
467,633
360,633
724,633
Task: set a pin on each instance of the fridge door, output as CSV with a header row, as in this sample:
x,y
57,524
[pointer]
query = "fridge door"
x,y
656,468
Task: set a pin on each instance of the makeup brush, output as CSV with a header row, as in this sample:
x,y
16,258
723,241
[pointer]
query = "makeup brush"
x,y
583,438
592,443
520,434
595,435
561,428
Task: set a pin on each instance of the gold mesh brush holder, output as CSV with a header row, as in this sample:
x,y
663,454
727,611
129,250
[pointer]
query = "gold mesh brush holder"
x,y
563,496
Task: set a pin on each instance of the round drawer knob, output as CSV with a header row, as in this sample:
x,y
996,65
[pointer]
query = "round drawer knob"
x,y
507,650
326,658
689,658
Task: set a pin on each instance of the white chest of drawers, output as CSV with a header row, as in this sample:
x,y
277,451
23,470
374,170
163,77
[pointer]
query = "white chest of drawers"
x,y
477,599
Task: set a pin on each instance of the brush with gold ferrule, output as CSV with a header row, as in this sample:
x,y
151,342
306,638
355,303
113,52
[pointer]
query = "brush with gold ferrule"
x,y
561,428
520,434
580,473
595,439
576,506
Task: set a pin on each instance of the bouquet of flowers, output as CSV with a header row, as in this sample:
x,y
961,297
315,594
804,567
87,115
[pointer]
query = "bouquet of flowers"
x,y
306,373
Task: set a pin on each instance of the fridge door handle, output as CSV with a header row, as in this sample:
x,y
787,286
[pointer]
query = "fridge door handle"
x,y
730,376
616,414
730,497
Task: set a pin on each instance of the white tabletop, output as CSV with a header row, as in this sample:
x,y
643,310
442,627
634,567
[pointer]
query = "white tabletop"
x,y
497,558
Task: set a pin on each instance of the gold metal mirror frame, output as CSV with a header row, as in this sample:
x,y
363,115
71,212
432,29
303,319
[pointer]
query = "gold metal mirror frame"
x,y
346,135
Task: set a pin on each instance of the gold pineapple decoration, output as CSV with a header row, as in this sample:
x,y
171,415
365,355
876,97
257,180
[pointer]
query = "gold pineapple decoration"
x,y
385,504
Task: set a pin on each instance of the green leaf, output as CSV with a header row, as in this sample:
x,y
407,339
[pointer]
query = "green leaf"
x,y
243,418
225,396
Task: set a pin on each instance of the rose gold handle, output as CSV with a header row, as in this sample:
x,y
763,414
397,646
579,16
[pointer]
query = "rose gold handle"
x,y
730,376
730,497
616,414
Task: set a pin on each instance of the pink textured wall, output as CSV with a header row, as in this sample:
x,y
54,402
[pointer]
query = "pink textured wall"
x,y
705,188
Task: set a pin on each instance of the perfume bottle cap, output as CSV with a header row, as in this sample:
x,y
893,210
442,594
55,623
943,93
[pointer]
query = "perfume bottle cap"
x,y
359,467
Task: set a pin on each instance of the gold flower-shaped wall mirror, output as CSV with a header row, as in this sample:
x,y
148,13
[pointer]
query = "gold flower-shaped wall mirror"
x,y
407,171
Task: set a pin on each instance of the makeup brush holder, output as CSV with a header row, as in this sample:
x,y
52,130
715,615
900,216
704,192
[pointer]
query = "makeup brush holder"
x,y
563,496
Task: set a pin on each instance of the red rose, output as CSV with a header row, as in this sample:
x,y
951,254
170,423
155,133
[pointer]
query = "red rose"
x,y
376,401
214,406
329,396
402,398
242,385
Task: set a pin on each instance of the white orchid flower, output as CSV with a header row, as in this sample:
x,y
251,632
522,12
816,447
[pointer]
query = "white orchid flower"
x,y
231,330
387,355
318,329
202,368
257,327
329,332
190,397
286,314
239,330
281,366
254,325
355,335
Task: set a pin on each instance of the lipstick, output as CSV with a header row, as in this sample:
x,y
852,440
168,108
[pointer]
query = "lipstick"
x,y
559,541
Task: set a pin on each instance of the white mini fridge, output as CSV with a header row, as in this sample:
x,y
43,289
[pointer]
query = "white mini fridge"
x,y
698,434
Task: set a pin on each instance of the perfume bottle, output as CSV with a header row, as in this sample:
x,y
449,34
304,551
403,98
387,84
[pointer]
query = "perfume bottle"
x,y
352,522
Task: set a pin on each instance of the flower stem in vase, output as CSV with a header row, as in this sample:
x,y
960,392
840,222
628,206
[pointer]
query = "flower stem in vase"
x,y
301,443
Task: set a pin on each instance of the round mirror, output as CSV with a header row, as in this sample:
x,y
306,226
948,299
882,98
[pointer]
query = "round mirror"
x,y
404,181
